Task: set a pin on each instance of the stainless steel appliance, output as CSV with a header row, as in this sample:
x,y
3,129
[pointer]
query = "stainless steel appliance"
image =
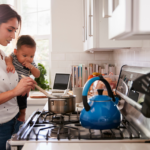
x,y
50,127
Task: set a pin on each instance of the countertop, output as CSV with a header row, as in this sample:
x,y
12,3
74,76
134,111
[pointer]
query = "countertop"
x,y
37,101
86,146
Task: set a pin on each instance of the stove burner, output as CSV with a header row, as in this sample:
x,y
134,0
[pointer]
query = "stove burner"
x,y
58,118
107,134
62,130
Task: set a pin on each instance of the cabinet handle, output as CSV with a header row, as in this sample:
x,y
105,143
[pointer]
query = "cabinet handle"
x,y
107,8
90,17
84,19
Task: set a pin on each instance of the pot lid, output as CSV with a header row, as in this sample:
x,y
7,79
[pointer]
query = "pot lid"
x,y
100,98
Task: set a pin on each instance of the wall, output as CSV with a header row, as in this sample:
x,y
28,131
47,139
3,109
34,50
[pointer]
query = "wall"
x,y
133,56
62,61
67,45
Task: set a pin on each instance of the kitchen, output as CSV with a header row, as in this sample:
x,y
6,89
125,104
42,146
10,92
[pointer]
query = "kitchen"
x,y
67,48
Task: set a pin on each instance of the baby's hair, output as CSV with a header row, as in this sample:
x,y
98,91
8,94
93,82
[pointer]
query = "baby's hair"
x,y
25,40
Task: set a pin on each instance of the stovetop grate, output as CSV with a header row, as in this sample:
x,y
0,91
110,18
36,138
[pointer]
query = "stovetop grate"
x,y
58,127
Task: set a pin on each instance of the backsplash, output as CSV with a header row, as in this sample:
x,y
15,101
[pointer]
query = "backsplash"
x,y
61,62
132,56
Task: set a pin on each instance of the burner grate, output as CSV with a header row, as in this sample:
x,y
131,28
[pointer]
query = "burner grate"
x,y
64,126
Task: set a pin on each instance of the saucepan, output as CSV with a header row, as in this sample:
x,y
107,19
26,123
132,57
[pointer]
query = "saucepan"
x,y
62,104
59,104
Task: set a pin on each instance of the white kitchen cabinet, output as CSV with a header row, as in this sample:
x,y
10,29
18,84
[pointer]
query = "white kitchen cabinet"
x,y
100,40
87,14
130,20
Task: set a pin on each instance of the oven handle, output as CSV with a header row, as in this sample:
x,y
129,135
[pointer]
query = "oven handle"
x,y
130,101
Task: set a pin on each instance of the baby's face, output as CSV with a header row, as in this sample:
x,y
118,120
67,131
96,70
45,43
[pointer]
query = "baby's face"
x,y
25,54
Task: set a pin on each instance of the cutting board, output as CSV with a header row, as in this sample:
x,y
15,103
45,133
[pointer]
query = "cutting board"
x,y
37,95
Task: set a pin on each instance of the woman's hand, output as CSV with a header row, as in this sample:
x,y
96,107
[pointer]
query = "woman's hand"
x,y
24,86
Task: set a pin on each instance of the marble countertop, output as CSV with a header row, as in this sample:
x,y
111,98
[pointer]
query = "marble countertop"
x,y
86,146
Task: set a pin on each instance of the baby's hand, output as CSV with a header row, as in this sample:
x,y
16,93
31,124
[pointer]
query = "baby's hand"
x,y
27,65
10,68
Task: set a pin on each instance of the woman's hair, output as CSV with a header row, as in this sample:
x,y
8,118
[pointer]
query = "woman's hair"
x,y
6,13
25,40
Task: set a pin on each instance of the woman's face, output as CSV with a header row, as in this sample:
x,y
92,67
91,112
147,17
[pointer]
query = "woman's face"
x,y
7,31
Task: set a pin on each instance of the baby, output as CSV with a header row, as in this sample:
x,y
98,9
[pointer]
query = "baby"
x,y
22,61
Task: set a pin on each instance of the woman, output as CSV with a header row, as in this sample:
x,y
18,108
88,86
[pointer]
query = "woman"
x,y
10,21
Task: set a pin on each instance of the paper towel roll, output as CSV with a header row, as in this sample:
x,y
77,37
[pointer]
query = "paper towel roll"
x,y
112,69
106,68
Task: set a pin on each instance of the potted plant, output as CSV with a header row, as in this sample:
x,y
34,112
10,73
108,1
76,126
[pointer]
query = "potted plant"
x,y
41,81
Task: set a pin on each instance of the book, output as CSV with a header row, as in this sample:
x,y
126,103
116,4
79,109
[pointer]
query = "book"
x,y
90,68
86,74
79,75
96,68
83,75
72,75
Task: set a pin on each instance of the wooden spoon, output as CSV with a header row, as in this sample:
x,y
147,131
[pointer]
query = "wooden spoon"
x,y
40,89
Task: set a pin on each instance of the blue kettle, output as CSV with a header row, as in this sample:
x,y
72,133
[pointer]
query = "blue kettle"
x,y
101,112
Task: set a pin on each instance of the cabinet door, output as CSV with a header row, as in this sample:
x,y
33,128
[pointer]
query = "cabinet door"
x,y
129,20
120,21
141,21
87,24
104,43
115,26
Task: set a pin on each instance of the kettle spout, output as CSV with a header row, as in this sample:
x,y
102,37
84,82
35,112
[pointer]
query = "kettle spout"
x,y
117,98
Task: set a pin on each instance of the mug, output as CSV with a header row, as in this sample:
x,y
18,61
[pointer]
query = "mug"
x,y
78,92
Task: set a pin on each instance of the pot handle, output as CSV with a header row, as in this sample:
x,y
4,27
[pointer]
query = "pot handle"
x,y
86,89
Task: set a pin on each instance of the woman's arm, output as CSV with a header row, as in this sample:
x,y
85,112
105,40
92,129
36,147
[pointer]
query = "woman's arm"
x,y
6,96
23,87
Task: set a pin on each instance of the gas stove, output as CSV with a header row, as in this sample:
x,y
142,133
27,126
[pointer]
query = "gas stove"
x,y
48,127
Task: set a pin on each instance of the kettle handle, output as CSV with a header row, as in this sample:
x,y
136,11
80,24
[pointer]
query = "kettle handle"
x,y
86,89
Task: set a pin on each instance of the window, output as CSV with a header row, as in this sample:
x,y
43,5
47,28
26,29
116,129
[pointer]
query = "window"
x,y
36,22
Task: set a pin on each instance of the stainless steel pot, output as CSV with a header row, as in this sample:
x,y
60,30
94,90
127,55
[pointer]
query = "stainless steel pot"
x,y
62,104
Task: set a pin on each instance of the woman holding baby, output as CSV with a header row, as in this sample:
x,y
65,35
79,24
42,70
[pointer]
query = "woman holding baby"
x,y
10,88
